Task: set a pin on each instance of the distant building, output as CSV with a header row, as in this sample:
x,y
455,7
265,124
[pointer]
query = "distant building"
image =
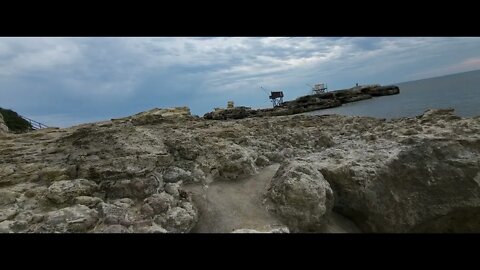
x,y
319,88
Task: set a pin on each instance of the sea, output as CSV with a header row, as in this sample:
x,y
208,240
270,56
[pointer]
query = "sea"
x,y
458,91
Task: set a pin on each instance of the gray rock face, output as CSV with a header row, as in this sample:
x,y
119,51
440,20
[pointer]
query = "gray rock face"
x,y
66,191
301,196
416,174
432,186
425,181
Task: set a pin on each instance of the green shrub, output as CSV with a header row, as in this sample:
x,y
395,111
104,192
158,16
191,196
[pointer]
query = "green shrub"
x,y
14,122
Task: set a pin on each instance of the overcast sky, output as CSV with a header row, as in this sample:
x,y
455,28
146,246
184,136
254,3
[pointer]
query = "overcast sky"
x,y
67,81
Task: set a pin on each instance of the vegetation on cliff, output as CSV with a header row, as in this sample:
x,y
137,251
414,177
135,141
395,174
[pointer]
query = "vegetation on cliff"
x,y
15,122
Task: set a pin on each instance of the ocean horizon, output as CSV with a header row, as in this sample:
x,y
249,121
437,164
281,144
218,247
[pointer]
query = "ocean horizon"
x,y
459,91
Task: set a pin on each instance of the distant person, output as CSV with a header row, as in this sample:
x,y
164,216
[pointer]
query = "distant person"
x,y
356,84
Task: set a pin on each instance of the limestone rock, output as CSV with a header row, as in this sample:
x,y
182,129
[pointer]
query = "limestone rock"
x,y
301,196
88,201
126,188
8,213
173,189
157,116
113,214
66,191
175,174
159,203
412,174
179,219
431,186
77,218
6,226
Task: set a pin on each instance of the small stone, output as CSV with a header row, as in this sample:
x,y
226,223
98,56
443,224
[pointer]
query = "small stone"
x,y
173,189
88,201
66,191
159,203
175,174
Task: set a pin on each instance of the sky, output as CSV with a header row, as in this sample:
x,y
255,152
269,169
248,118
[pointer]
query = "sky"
x,y
67,81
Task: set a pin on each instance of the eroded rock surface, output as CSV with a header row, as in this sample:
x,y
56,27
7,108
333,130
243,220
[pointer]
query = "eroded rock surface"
x,y
419,174
301,195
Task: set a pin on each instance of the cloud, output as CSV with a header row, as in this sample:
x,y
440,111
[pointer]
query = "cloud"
x,y
98,78
469,64
19,56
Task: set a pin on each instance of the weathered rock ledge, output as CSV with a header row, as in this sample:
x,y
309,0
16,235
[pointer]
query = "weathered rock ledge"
x,y
419,174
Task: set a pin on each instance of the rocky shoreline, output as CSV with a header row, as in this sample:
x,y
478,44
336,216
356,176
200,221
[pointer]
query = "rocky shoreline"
x,y
419,174
307,103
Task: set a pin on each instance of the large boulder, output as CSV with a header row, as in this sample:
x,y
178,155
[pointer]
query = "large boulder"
x,y
428,186
301,196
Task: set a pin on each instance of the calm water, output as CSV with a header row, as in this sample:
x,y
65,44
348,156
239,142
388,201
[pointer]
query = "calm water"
x,y
458,91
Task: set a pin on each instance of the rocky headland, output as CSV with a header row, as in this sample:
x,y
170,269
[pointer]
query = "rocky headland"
x,y
307,103
166,171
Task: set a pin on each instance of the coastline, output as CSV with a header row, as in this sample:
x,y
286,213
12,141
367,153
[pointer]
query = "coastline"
x,y
417,174
307,103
